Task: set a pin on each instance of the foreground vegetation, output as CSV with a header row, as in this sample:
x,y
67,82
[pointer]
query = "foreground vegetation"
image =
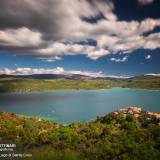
x,y
11,84
112,137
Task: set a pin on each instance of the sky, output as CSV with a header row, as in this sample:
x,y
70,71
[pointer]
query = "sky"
x,y
91,37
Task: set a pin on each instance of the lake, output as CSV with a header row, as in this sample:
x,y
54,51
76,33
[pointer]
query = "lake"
x,y
68,106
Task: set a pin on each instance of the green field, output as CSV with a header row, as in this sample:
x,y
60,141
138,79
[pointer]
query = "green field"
x,y
27,85
112,137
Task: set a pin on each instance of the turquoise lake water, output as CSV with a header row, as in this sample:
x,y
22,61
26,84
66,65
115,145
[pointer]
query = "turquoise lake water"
x,y
78,106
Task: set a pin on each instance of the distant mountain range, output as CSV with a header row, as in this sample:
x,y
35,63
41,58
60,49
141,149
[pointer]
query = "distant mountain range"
x,y
49,76
72,76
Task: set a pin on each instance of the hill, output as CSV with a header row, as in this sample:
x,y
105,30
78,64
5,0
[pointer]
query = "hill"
x,y
48,76
53,82
126,134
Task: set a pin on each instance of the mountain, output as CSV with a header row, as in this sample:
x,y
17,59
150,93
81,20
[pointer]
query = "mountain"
x,y
76,77
49,76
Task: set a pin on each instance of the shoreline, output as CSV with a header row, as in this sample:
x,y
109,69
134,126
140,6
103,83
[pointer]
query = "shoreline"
x,y
122,128
46,91
118,110
133,110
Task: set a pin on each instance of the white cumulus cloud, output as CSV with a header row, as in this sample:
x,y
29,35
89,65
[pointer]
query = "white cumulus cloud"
x,y
42,28
148,56
153,74
145,2
124,59
21,37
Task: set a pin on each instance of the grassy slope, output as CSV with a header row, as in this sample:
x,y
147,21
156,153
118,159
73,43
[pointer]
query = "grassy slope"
x,y
146,82
113,137
22,85
27,85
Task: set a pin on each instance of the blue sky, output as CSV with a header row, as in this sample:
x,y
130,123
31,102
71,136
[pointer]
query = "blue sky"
x,y
136,64
117,38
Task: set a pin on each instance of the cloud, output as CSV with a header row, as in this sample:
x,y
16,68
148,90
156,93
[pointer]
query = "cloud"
x,y
124,59
58,70
145,2
60,49
21,37
129,36
153,74
29,71
148,56
50,29
50,59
